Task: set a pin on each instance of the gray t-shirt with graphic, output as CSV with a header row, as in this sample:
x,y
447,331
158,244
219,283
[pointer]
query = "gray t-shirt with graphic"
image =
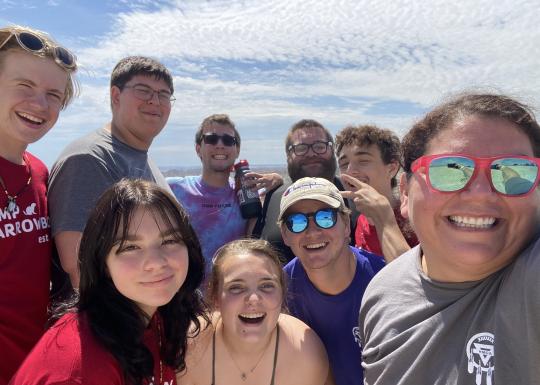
x,y
85,169
417,331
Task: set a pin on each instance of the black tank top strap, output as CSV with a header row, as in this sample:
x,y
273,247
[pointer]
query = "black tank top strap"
x,y
275,355
214,357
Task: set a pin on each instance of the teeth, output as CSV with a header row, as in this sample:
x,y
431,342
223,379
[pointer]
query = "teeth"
x,y
31,118
220,157
315,245
252,315
473,222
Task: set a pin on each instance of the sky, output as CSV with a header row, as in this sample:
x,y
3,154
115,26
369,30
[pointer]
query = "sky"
x,y
271,63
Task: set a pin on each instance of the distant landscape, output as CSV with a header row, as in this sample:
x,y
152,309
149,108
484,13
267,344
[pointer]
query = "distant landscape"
x,y
190,170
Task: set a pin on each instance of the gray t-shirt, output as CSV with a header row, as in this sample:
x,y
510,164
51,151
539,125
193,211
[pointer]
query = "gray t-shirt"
x,y
85,169
418,331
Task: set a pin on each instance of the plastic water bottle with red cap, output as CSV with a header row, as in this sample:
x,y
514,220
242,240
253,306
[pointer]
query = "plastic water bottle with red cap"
x,y
250,204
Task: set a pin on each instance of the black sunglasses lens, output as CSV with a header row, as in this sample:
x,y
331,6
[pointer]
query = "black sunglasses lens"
x,y
31,41
211,139
64,56
297,223
228,140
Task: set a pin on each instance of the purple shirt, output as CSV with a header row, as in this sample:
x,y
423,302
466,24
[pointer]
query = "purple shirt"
x,y
214,212
334,317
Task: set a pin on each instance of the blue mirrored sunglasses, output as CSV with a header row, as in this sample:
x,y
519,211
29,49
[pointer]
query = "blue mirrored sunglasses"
x,y
324,218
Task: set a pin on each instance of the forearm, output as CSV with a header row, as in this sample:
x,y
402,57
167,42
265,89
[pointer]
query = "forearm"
x,y
392,241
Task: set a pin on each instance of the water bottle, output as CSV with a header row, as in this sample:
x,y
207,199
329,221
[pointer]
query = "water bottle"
x,y
250,204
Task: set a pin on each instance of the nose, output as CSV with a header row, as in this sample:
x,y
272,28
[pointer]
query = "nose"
x,y
480,185
155,98
252,296
155,259
39,101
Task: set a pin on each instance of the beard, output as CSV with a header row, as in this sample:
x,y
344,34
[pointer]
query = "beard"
x,y
312,167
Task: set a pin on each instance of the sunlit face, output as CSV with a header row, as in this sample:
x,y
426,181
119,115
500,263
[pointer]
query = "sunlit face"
x,y
137,121
250,296
151,265
472,233
318,248
218,157
365,163
32,89
311,164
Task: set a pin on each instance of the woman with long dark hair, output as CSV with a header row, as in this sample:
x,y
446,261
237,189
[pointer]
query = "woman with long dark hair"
x,y
140,265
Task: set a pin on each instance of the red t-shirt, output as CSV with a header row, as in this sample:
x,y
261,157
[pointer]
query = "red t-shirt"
x,y
365,235
25,262
68,353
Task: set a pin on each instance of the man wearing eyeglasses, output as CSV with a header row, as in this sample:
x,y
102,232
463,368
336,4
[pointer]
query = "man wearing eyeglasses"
x,y
210,198
141,91
309,147
327,278
36,83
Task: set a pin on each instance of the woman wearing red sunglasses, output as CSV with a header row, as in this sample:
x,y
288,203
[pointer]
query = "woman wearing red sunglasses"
x,y
464,306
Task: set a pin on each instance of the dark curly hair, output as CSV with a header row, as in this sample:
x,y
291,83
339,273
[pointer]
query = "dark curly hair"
x,y
116,321
460,106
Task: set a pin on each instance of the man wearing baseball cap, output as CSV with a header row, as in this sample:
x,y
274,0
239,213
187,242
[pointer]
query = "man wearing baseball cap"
x,y
327,278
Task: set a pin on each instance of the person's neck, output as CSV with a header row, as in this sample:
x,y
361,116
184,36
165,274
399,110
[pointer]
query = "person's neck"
x,y
215,178
11,151
335,278
125,137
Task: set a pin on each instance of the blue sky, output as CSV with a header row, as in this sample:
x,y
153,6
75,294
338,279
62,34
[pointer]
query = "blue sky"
x,y
270,63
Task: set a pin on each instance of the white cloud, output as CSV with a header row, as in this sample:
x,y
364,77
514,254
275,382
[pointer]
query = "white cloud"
x,y
268,64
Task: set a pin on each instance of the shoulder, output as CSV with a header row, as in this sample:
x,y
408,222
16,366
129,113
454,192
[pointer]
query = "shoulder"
x,y
38,168
302,350
397,275
198,354
373,263
68,354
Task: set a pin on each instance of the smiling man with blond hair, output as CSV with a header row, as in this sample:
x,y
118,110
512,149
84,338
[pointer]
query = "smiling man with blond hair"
x,y
36,83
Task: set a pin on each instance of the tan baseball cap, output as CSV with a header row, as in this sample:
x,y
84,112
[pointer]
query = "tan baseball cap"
x,y
318,189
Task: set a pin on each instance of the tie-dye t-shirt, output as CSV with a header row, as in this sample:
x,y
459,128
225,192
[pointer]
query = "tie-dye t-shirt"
x,y
214,212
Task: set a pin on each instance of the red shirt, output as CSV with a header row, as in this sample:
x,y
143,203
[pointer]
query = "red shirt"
x,y
69,353
25,262
365,235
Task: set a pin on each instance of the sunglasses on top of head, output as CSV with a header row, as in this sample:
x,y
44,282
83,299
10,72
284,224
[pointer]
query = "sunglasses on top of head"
x,y
35,44
509,175
323,218
213,139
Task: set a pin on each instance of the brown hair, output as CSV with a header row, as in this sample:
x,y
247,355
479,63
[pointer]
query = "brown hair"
x,y
222,119
493,106
131,66
306,124
72,86
244,246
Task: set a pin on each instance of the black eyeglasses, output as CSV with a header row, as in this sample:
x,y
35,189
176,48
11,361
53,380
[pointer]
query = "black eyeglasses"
x,y
213,139
146,93
303,148
35,44
324,218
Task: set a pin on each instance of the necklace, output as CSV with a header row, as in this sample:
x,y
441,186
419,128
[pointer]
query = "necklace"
x,y
12,199
243,374
158,321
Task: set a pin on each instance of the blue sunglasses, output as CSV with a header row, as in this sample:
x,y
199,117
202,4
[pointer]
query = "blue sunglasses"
x,y
324,218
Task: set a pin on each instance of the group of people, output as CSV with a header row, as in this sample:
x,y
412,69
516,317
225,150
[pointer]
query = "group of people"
x,y
338,280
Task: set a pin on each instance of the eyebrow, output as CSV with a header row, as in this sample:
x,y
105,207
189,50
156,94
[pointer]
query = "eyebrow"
x,y
147,86
240,280
135,237
32,83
